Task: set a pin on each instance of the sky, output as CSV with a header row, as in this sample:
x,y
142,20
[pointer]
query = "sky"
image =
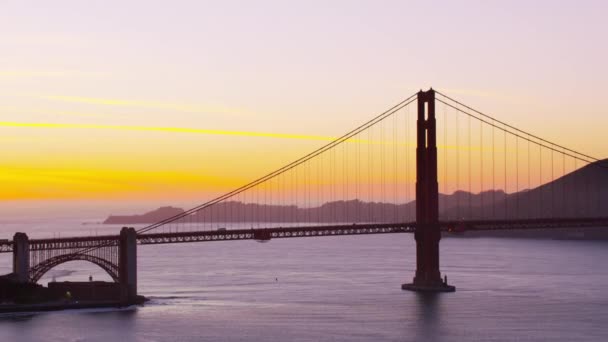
x,y
115,106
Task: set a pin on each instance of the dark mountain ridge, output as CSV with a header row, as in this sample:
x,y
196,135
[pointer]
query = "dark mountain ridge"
x,y
149,217
582,193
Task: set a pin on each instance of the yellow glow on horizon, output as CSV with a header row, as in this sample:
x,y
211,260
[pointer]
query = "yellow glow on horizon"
x,y
114,170
68,182
165,129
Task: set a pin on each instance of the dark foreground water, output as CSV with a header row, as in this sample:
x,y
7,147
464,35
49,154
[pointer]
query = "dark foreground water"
x,y
343,289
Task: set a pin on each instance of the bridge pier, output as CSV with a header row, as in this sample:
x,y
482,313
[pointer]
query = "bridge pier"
x,y
128,265
428,234
21,257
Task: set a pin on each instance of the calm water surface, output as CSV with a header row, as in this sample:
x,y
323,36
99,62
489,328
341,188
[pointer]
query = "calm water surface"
x,y
338,289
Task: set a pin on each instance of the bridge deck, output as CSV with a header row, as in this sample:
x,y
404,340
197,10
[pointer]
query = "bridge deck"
x,y
6,246
275,233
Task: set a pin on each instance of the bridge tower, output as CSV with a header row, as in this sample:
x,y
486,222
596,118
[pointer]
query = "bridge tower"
x,y
21,257
128,265
428,234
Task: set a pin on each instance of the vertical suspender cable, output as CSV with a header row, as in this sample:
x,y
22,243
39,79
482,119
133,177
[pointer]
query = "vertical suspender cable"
x,y
481,194
494,217
552,187
541,187
457,166
470,167
516,176
369,174
319,198
505,172
563,206
445,159
529,215
407,156
577,189
345,205
395,169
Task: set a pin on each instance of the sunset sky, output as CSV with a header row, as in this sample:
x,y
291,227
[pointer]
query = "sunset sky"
x,y
123,105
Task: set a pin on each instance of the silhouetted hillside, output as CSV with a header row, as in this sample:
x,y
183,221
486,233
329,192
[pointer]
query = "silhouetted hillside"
x,y
582,193
339,211
149,217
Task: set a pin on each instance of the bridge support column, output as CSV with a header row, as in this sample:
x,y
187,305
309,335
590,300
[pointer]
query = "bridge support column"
x,y
128,265
21,257
428,234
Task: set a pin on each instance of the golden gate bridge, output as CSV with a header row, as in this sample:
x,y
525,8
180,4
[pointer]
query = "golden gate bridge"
x,y
428,165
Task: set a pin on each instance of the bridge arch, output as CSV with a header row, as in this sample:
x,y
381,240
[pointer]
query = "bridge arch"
x,y
37,271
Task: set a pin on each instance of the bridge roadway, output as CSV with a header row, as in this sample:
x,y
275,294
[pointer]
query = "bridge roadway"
x,y
264,234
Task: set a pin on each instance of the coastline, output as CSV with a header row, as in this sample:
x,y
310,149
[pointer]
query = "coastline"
x,y
62,305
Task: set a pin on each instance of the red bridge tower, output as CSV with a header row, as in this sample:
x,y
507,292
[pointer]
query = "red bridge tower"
x,y
428,234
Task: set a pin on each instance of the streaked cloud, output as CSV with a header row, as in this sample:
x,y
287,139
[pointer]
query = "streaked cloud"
x,y
165,129
48,74
219,132
503,96
187,108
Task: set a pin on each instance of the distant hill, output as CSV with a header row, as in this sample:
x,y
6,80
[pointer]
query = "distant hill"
x,y
149,217
582,193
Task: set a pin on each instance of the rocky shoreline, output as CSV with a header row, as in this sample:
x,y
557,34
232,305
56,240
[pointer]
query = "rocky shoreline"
x,y
65,305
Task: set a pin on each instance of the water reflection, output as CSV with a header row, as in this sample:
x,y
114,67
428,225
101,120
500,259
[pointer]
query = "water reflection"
x,y
16,317
427,311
